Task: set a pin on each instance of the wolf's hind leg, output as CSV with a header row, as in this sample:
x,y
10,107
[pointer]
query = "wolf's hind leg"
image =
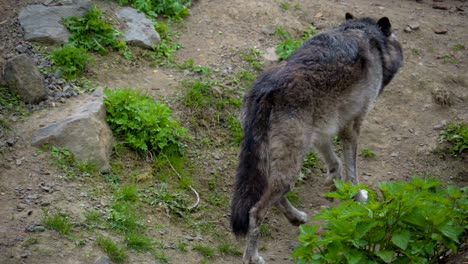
x,y
349,136
294,216
286,156
257,214
332,162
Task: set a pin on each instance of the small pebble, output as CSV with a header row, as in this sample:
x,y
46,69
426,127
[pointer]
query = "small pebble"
x,y
413,25
10,142
440,31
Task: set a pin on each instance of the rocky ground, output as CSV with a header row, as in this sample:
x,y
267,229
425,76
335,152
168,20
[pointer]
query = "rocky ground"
x,y
402,129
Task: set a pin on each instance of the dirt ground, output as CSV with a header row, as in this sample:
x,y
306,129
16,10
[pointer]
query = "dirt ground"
x,y
402,129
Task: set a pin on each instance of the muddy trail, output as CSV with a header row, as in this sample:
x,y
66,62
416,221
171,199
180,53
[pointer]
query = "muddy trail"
x,y
402,130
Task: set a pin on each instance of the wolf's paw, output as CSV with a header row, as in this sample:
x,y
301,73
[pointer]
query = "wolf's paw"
x,y
254,260
361,196
299,219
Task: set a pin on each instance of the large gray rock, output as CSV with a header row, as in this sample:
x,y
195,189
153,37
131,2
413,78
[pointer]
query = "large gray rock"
x,y
139,30
85,133
22,77
42,23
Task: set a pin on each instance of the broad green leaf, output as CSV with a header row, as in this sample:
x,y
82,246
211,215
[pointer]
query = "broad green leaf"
x,y
354,256
401,239
454,192
386,255
451,231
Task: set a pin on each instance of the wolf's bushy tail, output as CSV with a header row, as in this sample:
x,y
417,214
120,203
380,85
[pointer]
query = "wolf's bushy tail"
x,y
253,169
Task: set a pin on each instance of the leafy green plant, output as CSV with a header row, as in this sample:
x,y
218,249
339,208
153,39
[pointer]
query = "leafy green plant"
x,y
456,134
449,59
416,51
30,241
113,250
281,33
190,65
284,5
175,203
252,56
165,51
143,123
311,162
92,32
65,160
123,216
70,59
289,44
458,47
367,153
175,9
56,221
413,222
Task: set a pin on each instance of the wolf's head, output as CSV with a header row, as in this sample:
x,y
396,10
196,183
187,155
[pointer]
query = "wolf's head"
x,y
382,36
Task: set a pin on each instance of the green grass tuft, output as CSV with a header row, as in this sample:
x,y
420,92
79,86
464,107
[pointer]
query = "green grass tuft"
x,y
138,242
56,221
289,44
253,57
284,5
227,249
265,230
293,198
113,250
205,251
127,193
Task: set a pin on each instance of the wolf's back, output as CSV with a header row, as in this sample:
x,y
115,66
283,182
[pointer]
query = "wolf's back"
x,y
251,178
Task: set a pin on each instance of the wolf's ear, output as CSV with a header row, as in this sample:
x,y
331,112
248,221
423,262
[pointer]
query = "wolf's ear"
x,y
385,26
348,16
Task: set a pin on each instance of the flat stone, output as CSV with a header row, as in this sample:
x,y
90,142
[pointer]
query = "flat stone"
x,y
102,260
39,228
42,23
439,6
413,25
139,30
85,134
440,31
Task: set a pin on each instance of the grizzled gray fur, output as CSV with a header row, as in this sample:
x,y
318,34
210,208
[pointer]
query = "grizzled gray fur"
x,y
325,88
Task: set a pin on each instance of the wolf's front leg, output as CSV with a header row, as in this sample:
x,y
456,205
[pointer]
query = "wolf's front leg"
x,y
332,162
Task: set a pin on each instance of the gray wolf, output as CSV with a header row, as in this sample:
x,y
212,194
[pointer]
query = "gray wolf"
x,y
325,88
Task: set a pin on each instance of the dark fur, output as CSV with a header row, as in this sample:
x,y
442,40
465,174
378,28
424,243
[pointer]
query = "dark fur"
x,y
324,67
